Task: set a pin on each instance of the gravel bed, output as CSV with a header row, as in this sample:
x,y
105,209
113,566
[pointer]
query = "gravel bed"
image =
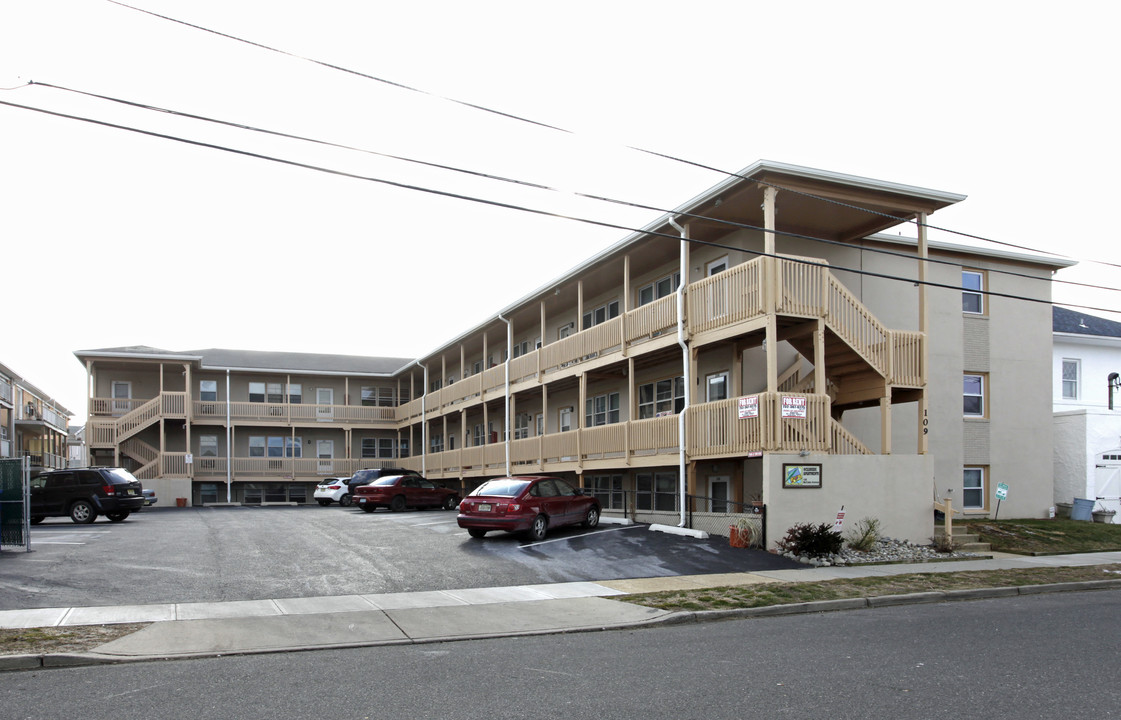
x,y
886,550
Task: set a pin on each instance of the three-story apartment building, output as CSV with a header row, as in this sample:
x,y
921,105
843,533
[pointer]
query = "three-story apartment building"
x,y
764,342
32,423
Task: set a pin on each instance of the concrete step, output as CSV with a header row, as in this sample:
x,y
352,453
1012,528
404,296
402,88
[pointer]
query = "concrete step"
x,y
973,547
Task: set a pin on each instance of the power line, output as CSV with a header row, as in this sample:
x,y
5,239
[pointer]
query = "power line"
x,y
534,211
538,123
524,183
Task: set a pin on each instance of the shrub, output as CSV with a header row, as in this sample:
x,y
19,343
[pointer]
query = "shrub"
x,y
864,534
811,540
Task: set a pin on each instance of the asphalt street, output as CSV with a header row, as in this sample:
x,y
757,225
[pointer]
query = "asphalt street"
x,y
254,553
1040,656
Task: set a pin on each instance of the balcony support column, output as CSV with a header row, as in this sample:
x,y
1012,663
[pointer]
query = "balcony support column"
x,y
819,357
632,411
771,353
580,420
885,423
544,425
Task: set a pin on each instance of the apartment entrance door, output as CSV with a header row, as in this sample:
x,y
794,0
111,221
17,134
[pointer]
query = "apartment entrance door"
x,y
324,401
718,486
325,451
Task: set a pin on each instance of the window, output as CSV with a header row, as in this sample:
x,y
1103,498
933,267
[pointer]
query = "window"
x,y
521,426
369,447
295,393
608,489
403,448
565,330
208,445
973,396
208,390
601,314
1070,379
276,447
521,348
972,293
274,393
716,387
479,435
436,385
660,289
602,410
657,491
435,443
257,392
293,447
540,425
477,367
664,397
256,446
973,488
564,419
716,266
387,448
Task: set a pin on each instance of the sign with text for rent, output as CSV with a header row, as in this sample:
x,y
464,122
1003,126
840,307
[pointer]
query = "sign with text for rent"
x,y
793,407
749,407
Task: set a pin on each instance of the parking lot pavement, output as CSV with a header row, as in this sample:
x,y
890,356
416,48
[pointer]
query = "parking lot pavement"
x,y
204,555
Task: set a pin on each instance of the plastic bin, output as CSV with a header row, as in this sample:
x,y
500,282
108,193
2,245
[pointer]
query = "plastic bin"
x,y
1083,510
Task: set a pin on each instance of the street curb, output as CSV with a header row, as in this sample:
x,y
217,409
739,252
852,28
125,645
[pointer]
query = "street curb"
x,y
62,660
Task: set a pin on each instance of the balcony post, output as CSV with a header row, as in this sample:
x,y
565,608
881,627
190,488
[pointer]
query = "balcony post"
x,y
924,350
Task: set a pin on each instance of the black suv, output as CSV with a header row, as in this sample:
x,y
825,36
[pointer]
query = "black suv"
x,y
85,493
367,476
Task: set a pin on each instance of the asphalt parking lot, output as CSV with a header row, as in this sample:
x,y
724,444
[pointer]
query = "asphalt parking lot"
x,y
257,553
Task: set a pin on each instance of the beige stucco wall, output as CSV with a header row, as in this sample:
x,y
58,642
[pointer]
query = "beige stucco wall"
x,y
895,489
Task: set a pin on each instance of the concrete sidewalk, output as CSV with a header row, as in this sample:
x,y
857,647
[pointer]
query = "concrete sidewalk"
x,y
181,630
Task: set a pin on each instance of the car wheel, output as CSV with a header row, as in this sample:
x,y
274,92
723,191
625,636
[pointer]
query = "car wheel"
x,y
117,516
324,503
537,530
82,512
36,519
450,502
345,501
369,508
476,532
397,504
592,518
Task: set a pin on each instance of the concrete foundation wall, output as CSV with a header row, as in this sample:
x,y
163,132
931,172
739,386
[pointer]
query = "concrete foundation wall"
x,y
895,489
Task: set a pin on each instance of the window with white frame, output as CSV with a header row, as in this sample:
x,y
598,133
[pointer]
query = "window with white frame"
x,y
369,448
716,266
716,387
274,392
436,443
276,446
601,314
564,419
973,395
565,330
659,289
257,392
540,424
520,349
256,446
972,292
295,393
664,397
1071,372
293,447
602,410
521,426
973,488
208,390
208,445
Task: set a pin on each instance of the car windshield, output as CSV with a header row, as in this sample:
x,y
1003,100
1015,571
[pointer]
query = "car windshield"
x,y
117,476
503,488
391,480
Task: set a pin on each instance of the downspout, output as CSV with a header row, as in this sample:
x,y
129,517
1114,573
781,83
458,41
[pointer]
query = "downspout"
x,y
685,365
229,450
423,422
506,396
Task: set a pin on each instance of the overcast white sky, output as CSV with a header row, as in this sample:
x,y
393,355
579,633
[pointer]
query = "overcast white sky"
x,y
110,238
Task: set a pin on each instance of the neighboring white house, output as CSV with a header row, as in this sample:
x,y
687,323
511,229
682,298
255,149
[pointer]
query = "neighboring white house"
x,y
1087,406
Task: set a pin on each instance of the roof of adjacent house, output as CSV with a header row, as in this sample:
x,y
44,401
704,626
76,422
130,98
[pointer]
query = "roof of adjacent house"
x,y
1079,323
259,361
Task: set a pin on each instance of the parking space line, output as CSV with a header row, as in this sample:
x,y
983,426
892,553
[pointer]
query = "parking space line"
x,y
598,532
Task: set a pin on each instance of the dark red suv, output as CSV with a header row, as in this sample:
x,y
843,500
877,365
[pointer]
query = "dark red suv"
x,y
85,493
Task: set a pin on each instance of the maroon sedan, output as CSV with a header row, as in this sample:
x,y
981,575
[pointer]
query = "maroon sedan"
x,y
398,492
531,504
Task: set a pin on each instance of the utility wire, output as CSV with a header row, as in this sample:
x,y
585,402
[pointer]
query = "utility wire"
x,y
524,183
548,126
534,211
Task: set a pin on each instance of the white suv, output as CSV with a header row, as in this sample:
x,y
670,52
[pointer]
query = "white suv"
x,y
333,490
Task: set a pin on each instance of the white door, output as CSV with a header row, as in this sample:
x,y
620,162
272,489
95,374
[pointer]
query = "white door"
x,y
718,487
122,397
325,451
324,401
